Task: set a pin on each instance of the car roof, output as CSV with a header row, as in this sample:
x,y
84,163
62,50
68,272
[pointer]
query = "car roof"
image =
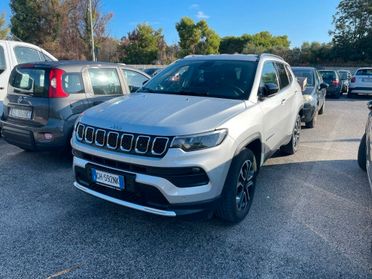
x,y
70,65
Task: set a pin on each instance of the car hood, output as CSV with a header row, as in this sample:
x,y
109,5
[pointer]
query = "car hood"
x,y
162,114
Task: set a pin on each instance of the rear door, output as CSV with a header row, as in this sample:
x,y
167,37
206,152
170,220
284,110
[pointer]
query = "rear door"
x,y
104,83
27,100
287,94
363,78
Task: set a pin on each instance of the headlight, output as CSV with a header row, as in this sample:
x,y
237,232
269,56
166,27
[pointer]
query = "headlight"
x,y
199,141
308,98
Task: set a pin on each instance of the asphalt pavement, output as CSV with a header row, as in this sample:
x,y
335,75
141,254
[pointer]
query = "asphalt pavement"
x,y
310,218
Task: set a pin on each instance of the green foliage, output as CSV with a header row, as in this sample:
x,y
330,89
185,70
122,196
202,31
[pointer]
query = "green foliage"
x,y
233,44
142,45
266,42
4,30
352,37
35,21
196,38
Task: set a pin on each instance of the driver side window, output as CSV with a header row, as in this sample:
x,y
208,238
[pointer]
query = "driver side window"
x,y
269,79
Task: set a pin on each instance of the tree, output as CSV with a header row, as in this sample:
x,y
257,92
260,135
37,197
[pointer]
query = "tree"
x,y
233,44
35,21
266,42
4,30
196,38
352,36
143,45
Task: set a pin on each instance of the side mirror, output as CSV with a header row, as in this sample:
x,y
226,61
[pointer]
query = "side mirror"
x,y
270,89
302,81
369,104
323,85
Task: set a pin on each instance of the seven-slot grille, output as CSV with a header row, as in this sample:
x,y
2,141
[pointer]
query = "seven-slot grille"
x,y
148,145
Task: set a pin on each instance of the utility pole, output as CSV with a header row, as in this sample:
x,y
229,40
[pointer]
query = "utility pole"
x,y
91,30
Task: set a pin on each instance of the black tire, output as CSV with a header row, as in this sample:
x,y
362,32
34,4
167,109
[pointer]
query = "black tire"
x,y
292,146
232,208
362,153
311,123
321,111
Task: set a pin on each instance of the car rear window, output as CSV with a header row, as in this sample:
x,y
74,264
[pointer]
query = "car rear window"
x,y
364,72
73,83
328,75
29,81
105,81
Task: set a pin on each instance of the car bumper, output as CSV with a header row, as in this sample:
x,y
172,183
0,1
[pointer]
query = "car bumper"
x,y
360,90
308,113
31,138
151,190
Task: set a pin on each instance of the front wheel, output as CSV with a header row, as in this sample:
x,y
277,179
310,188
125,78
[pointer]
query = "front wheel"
x,y
321,111
292,146
362,153
311,123
239,187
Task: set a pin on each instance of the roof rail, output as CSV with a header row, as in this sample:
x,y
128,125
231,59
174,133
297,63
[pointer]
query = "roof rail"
x,y
270,55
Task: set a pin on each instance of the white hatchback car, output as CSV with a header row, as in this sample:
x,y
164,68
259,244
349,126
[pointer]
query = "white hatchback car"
x,y
193,138
361,82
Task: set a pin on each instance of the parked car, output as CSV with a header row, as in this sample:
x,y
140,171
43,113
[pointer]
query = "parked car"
x,y
345,76
364,152
13,53
152,71
44,99
314,94
361,82
193,138
332,78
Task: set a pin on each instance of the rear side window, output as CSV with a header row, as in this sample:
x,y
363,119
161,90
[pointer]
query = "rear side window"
x,y
2,60
72,83
26,55
283,78
364,72
29,81
135,80
105,81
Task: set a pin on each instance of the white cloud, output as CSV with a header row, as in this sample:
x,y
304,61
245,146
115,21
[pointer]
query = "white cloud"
x,y
194,7
202,15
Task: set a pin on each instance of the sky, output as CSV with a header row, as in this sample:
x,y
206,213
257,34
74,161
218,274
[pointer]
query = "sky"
x,y
300,20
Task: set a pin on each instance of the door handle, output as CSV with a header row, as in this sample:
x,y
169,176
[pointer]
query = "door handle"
x,y
283,101
1,88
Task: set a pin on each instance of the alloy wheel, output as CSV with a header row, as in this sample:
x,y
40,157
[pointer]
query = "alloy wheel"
x,y
244,185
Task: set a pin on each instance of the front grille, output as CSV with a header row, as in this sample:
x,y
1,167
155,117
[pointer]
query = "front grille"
x,y
148,145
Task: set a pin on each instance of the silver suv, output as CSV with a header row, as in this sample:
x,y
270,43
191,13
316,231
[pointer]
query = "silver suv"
x,y
193,138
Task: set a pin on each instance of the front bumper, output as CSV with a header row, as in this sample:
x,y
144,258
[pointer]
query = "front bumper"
x,y
308,112
149,192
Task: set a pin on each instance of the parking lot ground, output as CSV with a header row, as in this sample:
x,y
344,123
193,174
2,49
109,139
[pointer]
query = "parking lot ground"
x,y
310,218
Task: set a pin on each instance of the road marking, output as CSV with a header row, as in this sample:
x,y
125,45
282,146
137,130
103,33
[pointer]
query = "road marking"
x,y
63,272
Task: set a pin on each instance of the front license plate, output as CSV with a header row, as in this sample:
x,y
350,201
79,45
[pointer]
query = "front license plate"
x,y
108,179
20,113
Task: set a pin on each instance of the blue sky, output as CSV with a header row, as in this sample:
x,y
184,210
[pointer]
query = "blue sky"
x,y
300,20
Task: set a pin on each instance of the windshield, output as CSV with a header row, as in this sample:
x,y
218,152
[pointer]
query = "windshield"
x,y
213,78
31,81
309,74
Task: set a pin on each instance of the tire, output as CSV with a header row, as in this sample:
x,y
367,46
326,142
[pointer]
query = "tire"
x,y
362,153
321,111
311,124
349,94
238,191
292,146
